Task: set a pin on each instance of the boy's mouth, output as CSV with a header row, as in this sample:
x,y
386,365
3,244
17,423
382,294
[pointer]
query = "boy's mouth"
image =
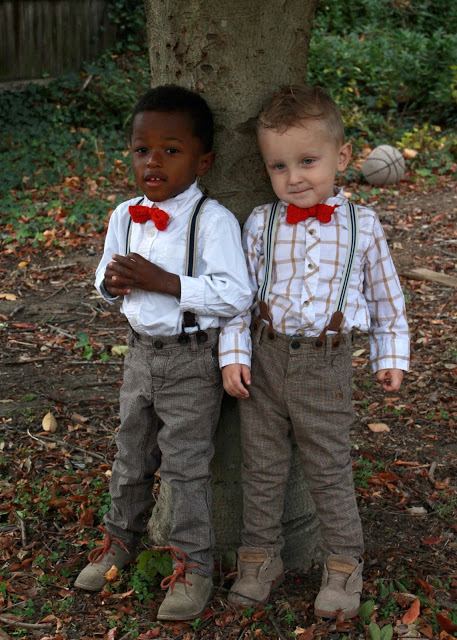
x,y
301,190
154,181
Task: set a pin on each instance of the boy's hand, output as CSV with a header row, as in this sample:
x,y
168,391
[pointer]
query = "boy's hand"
x,y
235,377
390,379
134,272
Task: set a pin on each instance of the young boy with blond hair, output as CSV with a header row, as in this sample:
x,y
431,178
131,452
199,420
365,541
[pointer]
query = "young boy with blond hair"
x,y
319,268
176,260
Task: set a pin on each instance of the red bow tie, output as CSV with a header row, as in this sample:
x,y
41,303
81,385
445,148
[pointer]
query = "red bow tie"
x,y
140,213
323,212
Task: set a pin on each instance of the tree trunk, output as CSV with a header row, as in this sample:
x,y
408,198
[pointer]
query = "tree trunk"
x,y
235,53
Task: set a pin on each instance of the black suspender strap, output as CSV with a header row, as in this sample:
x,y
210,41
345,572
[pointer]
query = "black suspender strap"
x,y
189,317
129,230
192,237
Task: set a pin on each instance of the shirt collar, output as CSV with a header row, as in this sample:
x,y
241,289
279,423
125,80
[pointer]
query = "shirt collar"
x,y
337,199
178,204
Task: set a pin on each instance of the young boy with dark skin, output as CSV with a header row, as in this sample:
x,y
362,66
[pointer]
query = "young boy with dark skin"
x,y
301,345
172,388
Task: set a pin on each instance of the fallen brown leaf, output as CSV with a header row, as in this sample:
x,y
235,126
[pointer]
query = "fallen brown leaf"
x,y
413,612
378,427
445,623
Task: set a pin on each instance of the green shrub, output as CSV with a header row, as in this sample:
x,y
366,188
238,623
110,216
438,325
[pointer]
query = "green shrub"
x,y
425,16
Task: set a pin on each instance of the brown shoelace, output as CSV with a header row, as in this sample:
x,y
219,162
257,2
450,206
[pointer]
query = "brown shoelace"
x,y
97,554
180,570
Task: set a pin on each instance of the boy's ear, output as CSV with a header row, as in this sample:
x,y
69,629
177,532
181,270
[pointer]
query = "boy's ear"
x,y
344,156
205,163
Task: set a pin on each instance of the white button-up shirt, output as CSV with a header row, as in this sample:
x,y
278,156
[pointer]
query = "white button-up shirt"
x,y
308,265
221,286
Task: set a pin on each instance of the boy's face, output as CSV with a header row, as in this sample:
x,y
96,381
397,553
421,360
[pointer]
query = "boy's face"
x,y
302,162
166,156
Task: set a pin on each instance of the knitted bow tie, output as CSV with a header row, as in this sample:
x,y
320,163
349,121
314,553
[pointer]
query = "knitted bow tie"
x,y
140,213
323,212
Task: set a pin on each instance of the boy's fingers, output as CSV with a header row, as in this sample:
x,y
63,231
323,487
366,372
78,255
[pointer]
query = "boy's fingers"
x,y
234,387
246,374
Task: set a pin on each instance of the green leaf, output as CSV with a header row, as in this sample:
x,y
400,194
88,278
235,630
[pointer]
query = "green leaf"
x,y
88,352
387,632
163,564
366,609
143,563
401,587
374,631
83,339
119,350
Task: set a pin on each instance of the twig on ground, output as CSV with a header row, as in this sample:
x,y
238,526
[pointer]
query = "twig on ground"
x,y
276,626
53,267
23,529
24,625
16,310
59,330
64,286
37,359
68,445
16,605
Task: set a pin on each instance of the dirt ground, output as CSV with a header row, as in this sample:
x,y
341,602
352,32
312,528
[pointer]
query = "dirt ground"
x,y
406,475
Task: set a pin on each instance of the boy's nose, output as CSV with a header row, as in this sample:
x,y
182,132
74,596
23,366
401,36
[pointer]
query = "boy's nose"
x,y
295,176
155,158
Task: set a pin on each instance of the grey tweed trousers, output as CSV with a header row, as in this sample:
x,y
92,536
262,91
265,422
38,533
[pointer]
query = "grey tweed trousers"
x,y
169,407
296,388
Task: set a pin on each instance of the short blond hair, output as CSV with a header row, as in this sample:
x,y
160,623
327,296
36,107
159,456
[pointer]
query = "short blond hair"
x,y
295,103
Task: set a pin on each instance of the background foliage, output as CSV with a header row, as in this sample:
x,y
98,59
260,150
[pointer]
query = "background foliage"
x,y
392,66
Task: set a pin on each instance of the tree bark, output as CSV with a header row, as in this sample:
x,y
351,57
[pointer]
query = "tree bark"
x,y
235,53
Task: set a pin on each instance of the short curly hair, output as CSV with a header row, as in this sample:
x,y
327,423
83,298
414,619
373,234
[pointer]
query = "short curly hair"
x,y
295,103
171,97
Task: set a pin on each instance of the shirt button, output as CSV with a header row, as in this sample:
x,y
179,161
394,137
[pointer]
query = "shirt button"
x,y
306,304
312,232
134,319
310,266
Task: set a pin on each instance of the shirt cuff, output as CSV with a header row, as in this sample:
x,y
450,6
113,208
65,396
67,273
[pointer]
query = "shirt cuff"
x,y
192,295
235,348
104,293
391,355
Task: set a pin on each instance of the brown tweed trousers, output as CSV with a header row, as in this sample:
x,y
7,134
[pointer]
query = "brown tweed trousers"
x,y
296,388
169,407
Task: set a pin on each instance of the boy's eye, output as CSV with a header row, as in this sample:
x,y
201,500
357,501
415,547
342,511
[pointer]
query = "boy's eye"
x,y
172,150
141,150
279,166
308,161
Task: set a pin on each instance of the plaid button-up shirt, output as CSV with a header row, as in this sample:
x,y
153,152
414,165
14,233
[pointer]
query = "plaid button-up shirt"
x,y
308,264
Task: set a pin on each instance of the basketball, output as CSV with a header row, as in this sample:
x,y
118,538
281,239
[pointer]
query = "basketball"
x,y
384,165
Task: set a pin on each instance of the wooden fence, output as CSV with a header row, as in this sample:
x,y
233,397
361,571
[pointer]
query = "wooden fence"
x,y
50,37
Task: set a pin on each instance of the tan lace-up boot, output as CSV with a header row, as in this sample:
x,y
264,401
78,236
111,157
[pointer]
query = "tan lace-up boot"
x,y
341,587
101,559
258,575
187,598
